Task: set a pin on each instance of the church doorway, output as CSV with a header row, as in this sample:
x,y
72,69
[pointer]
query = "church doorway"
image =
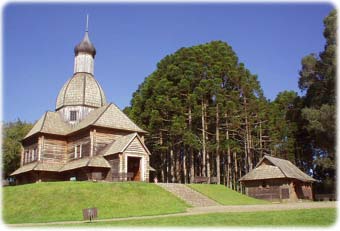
x,y
134,166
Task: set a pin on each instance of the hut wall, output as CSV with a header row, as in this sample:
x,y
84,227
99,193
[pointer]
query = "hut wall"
x,y
271,189
83,140
82,112
103,137
26,178
30,153
48,176
80,174
115,166
53,150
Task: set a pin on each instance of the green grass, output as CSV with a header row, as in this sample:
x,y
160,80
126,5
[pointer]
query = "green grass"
x,y
302,218
62,201
224,195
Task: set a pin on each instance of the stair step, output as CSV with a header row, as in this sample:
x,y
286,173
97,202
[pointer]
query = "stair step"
x,y
187,194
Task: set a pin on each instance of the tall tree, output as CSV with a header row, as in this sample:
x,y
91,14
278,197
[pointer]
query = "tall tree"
x,y
317,80
12,134
193,107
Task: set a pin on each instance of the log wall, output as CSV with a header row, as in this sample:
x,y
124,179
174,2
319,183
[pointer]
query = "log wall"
x,y
82,139
54,150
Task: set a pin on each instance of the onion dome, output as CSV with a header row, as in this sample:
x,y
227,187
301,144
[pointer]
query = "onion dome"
x,y
81,90
85,46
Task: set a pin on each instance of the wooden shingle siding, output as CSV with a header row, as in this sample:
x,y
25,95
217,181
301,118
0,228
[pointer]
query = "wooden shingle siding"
x,y
102,139
135,147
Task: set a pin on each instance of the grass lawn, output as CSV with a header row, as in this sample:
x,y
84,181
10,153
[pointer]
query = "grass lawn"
x,y
62,201
224,195
303,217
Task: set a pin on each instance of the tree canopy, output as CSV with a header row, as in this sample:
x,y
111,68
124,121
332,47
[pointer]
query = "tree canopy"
x,y
206,114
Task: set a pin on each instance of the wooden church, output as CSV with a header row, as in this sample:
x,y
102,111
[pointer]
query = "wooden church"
x,y
85,138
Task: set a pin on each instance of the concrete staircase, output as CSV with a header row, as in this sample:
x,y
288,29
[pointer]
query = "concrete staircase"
x,y
189,195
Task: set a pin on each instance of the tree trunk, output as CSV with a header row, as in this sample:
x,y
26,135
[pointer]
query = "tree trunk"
x,y
228,153
248,138
185,166
218,171
235,170
172,170
192,159
203,140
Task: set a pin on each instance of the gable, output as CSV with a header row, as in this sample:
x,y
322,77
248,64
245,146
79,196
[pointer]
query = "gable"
x,y
136,146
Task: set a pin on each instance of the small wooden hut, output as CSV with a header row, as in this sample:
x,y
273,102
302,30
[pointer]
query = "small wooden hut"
x,y
277,179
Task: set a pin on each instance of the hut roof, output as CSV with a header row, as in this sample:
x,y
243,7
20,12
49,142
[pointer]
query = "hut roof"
x,y
50,123
279,168
25,168
96,161
38,166
119,145
109,116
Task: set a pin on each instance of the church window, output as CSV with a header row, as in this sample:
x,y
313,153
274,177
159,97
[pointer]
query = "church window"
x,y
32,155
78,151
35,154
73,115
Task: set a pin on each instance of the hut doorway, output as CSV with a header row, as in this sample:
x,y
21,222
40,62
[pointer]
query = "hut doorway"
x,y
298,190
133,164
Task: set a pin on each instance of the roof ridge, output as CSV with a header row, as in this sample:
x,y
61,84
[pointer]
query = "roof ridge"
x,y
107,106
266,156
128,117
43,122
100,91
68,83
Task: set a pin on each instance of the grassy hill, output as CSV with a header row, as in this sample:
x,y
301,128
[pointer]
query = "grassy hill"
x,y
62,201
224,195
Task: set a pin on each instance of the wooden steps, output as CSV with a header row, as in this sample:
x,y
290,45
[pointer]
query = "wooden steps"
x,y
189,195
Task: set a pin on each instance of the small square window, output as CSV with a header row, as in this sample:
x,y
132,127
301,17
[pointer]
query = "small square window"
x,y
73,115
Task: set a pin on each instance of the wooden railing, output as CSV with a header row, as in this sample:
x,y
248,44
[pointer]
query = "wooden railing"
x,y
122,176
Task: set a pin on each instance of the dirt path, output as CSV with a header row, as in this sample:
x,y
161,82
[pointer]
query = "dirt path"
x,y
204,210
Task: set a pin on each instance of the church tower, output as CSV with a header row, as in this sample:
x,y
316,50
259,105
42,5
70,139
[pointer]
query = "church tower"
x,y
82,93
84,54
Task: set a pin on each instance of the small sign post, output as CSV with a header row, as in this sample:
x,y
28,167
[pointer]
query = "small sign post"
x,y
90,213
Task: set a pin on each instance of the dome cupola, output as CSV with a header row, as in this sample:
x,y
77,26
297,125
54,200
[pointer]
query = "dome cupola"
x,y
81,90
85,46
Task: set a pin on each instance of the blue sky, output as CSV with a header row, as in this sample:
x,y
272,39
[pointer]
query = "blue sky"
x,y
38,43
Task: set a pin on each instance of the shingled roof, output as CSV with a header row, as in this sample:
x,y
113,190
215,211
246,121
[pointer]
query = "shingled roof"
x,y
280,168
96,161
109,116
81,89
38,166
50,123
